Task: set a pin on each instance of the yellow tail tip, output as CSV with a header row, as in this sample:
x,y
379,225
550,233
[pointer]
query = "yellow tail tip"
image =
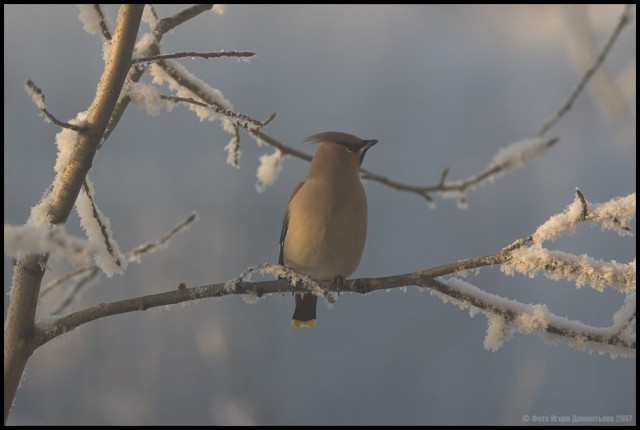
x,y
303,324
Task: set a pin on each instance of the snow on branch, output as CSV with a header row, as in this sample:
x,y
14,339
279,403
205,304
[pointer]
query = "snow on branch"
x,y
297,280
149,45
505,316
43,239
270,167
191,54
98,230
582,270
237,119
81,276
94,20
612,215
233,149
66,143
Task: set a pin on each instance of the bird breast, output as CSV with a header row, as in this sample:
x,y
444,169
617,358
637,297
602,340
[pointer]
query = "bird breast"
x,y
327,228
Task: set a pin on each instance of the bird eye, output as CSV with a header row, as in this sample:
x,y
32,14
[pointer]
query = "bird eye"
x,y
351,147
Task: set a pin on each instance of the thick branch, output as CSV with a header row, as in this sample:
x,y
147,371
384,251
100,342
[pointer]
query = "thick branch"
x,y
53,329
19,325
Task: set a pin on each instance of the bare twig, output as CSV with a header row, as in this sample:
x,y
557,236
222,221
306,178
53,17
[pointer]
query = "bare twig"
x,y
624,20
38,98
167,24
104,28
423,191
73,292
236,54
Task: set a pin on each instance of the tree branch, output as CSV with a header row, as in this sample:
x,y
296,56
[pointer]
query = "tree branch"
x,y
566,106
235,54
49,330
19,325
38,98
161,27
516,316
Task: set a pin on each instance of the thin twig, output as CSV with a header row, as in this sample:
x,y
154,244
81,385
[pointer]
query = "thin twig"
x,y
38,98
104,28
236,54
73,293
160,29
133,256
624,20
460,186
98,218
242,120
167,24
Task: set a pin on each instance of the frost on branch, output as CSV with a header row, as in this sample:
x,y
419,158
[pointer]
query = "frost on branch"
x,y
146,97
506,317
209,94
90,18
612,215
233,147
281,272
98,230
270,166
497,333
53,240
507,159
517,154
582,269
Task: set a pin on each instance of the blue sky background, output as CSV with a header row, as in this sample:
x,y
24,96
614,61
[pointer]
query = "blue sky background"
x,y
439,86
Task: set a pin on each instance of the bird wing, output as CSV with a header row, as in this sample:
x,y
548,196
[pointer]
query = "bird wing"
x,y
285,223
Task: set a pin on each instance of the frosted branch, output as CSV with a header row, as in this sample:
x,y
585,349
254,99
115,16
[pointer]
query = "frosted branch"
x,y
270,167
94,20
232,54
239,119
507,159
514,315
85,273
505,316
233,149
52,240
38,98
160,28
98,230
582,270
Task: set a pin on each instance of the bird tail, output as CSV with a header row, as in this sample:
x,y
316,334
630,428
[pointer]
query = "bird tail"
x,y
305,313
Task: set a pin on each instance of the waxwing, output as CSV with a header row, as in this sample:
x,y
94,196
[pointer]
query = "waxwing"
x,y
325,223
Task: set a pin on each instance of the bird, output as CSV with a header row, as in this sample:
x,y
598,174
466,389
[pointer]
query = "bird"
x,y
325,223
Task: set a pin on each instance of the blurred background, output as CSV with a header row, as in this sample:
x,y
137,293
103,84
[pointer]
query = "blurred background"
x,y
439,86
